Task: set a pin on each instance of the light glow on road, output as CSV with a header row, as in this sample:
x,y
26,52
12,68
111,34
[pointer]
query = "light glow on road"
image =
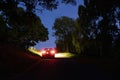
x,y
38,52
57,55
64,55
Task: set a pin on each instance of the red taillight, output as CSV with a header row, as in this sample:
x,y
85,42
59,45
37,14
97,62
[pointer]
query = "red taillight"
x,y
43,51
52,51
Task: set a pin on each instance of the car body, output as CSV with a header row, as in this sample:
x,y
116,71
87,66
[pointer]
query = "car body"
x,y
48,52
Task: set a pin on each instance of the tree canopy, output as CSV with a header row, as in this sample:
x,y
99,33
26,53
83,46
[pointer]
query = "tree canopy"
x,y
96,31
99,26
19,23
63,28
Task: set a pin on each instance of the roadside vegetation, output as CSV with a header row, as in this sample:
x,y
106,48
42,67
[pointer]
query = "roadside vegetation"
x,y
20,28
95,33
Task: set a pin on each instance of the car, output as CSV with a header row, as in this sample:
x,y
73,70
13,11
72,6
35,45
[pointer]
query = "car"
x,y
48,52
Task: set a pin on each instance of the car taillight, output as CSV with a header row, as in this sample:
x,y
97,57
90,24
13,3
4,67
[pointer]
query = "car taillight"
x,y
43,51
52,51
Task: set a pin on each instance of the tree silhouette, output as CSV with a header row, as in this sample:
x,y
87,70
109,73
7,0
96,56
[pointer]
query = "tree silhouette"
x,y
19,23
98,21
64,27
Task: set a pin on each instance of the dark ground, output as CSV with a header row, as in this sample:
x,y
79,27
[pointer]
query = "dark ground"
x,y
70,69
16,64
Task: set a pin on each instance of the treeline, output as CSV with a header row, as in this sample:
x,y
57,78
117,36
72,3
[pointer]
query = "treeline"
x,y
19,23
96,32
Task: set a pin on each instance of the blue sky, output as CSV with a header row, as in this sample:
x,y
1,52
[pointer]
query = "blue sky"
x,y
48,18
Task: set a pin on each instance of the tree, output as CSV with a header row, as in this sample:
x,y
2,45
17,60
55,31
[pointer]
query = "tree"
x,y
98,22
19,23
63,28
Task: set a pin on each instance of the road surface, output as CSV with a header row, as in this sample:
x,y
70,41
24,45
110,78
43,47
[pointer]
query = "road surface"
x,y
69,69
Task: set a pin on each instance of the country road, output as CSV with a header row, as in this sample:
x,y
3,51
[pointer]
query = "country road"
x,y
70,69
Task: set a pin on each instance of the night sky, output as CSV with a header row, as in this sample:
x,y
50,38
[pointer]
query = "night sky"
x,y
48,18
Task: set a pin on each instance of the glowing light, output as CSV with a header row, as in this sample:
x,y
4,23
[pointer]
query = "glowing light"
x,y
64,55
43,51
57,55
53,52
34,51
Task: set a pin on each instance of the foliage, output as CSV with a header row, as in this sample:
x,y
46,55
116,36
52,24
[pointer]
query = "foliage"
x,y
63,28
99,26
19,23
